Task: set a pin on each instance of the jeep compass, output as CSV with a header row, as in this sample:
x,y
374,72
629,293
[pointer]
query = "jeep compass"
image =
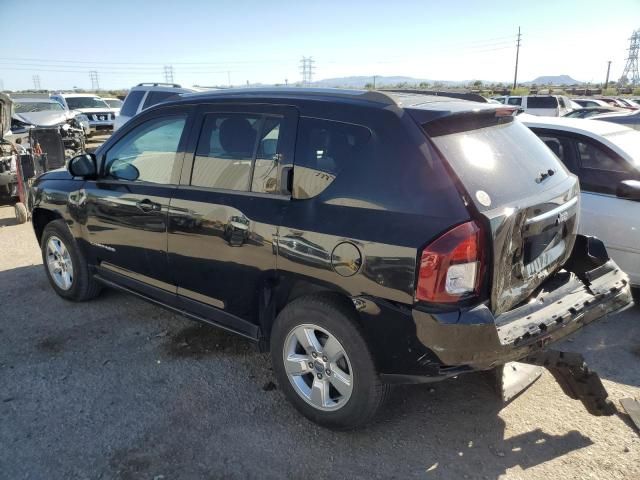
x,y
363,238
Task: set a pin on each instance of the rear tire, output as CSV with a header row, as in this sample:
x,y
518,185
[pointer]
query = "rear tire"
x,y
65,265
21,212
331,379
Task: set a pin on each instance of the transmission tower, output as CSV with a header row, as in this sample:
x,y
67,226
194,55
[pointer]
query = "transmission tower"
x,y
630,73
95,85
306,68
168,73
36,82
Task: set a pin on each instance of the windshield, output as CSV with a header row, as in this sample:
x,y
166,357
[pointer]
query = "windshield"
x,y
115,103
500,164
28,107
629,141
85,102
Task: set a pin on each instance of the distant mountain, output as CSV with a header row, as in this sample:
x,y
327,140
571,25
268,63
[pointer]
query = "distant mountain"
x,y
361,81
554,80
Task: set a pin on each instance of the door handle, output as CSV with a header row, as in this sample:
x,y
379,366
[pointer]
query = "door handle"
x,y
147,206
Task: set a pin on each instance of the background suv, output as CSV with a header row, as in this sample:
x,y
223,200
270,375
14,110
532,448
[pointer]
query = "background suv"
x,y
543,105
363,238
145,95
97,111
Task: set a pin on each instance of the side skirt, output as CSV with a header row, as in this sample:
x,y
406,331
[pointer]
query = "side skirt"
x,y
170,301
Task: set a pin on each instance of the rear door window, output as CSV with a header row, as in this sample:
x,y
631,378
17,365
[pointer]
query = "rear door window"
x,y
323,149
131,103
156,97
225,151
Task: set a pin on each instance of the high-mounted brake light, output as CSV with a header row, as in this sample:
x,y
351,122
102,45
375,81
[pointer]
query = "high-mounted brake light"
x,y
451,266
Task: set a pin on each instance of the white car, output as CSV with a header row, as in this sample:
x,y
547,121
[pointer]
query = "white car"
x,y
606,158
114,103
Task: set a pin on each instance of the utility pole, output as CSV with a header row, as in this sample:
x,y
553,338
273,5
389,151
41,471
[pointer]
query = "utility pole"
x,y
229,78
606,83
374,82
515,76
168,73
95,84
36,82
1,85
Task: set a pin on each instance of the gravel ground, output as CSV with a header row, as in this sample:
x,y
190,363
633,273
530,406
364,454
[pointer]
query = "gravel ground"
x,y
121,389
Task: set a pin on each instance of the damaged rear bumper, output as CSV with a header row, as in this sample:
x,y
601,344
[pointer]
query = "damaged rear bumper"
x,y
588,288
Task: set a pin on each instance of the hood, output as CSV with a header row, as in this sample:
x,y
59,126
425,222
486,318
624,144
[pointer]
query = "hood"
x,y
6,106
46,118
57,174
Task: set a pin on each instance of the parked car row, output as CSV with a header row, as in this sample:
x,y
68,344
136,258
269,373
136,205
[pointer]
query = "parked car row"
x,y
364,238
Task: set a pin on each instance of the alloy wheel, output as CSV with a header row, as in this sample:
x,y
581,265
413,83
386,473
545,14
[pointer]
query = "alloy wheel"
x,y
318,367
59,263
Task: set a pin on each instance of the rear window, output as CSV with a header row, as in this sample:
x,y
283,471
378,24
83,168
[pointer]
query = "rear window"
x,y
131,103
157,97
542,102
499,164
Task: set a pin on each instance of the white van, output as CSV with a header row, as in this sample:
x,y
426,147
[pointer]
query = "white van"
x,y
541,105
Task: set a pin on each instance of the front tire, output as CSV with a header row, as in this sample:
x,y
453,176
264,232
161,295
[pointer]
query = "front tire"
x,y
65,264
322,362
21,212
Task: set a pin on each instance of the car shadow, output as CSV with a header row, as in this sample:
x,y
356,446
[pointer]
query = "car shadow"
x,y
611,346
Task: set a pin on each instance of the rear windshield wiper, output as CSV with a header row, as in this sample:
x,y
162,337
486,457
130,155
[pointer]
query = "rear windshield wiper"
x,y
544,175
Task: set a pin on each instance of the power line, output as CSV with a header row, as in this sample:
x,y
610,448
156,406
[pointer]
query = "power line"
x,y
168,73
95,85
515,75
36,82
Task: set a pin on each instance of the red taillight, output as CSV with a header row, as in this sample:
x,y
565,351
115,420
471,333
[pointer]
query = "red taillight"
x,y
451,266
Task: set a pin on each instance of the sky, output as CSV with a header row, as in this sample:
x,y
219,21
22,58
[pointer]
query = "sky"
x,y
220,42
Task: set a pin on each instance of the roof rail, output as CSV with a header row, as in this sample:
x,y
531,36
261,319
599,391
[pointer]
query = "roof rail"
x,y
158,84
474,97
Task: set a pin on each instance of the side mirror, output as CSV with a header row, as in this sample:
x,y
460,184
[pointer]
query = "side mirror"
x,y
629,189
83,165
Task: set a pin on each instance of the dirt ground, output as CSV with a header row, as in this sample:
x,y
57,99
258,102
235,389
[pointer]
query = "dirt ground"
x,y
121,389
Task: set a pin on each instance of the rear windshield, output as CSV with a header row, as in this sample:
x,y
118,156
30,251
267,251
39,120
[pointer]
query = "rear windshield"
x,y
542,102
131,103
500,164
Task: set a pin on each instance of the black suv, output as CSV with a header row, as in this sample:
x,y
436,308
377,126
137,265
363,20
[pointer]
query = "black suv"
x,y
364,238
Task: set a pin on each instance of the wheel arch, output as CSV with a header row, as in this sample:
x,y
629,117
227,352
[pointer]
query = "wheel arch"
x,y
41,217
275,296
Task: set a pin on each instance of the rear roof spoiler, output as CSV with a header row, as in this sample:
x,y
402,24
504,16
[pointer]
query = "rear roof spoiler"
x,y
473,97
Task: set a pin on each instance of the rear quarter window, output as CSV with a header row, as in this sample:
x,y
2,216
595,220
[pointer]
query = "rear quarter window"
x,y
156,97
323,149
131,103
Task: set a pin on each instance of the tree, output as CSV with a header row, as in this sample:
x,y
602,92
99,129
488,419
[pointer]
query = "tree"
x,y
477,84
